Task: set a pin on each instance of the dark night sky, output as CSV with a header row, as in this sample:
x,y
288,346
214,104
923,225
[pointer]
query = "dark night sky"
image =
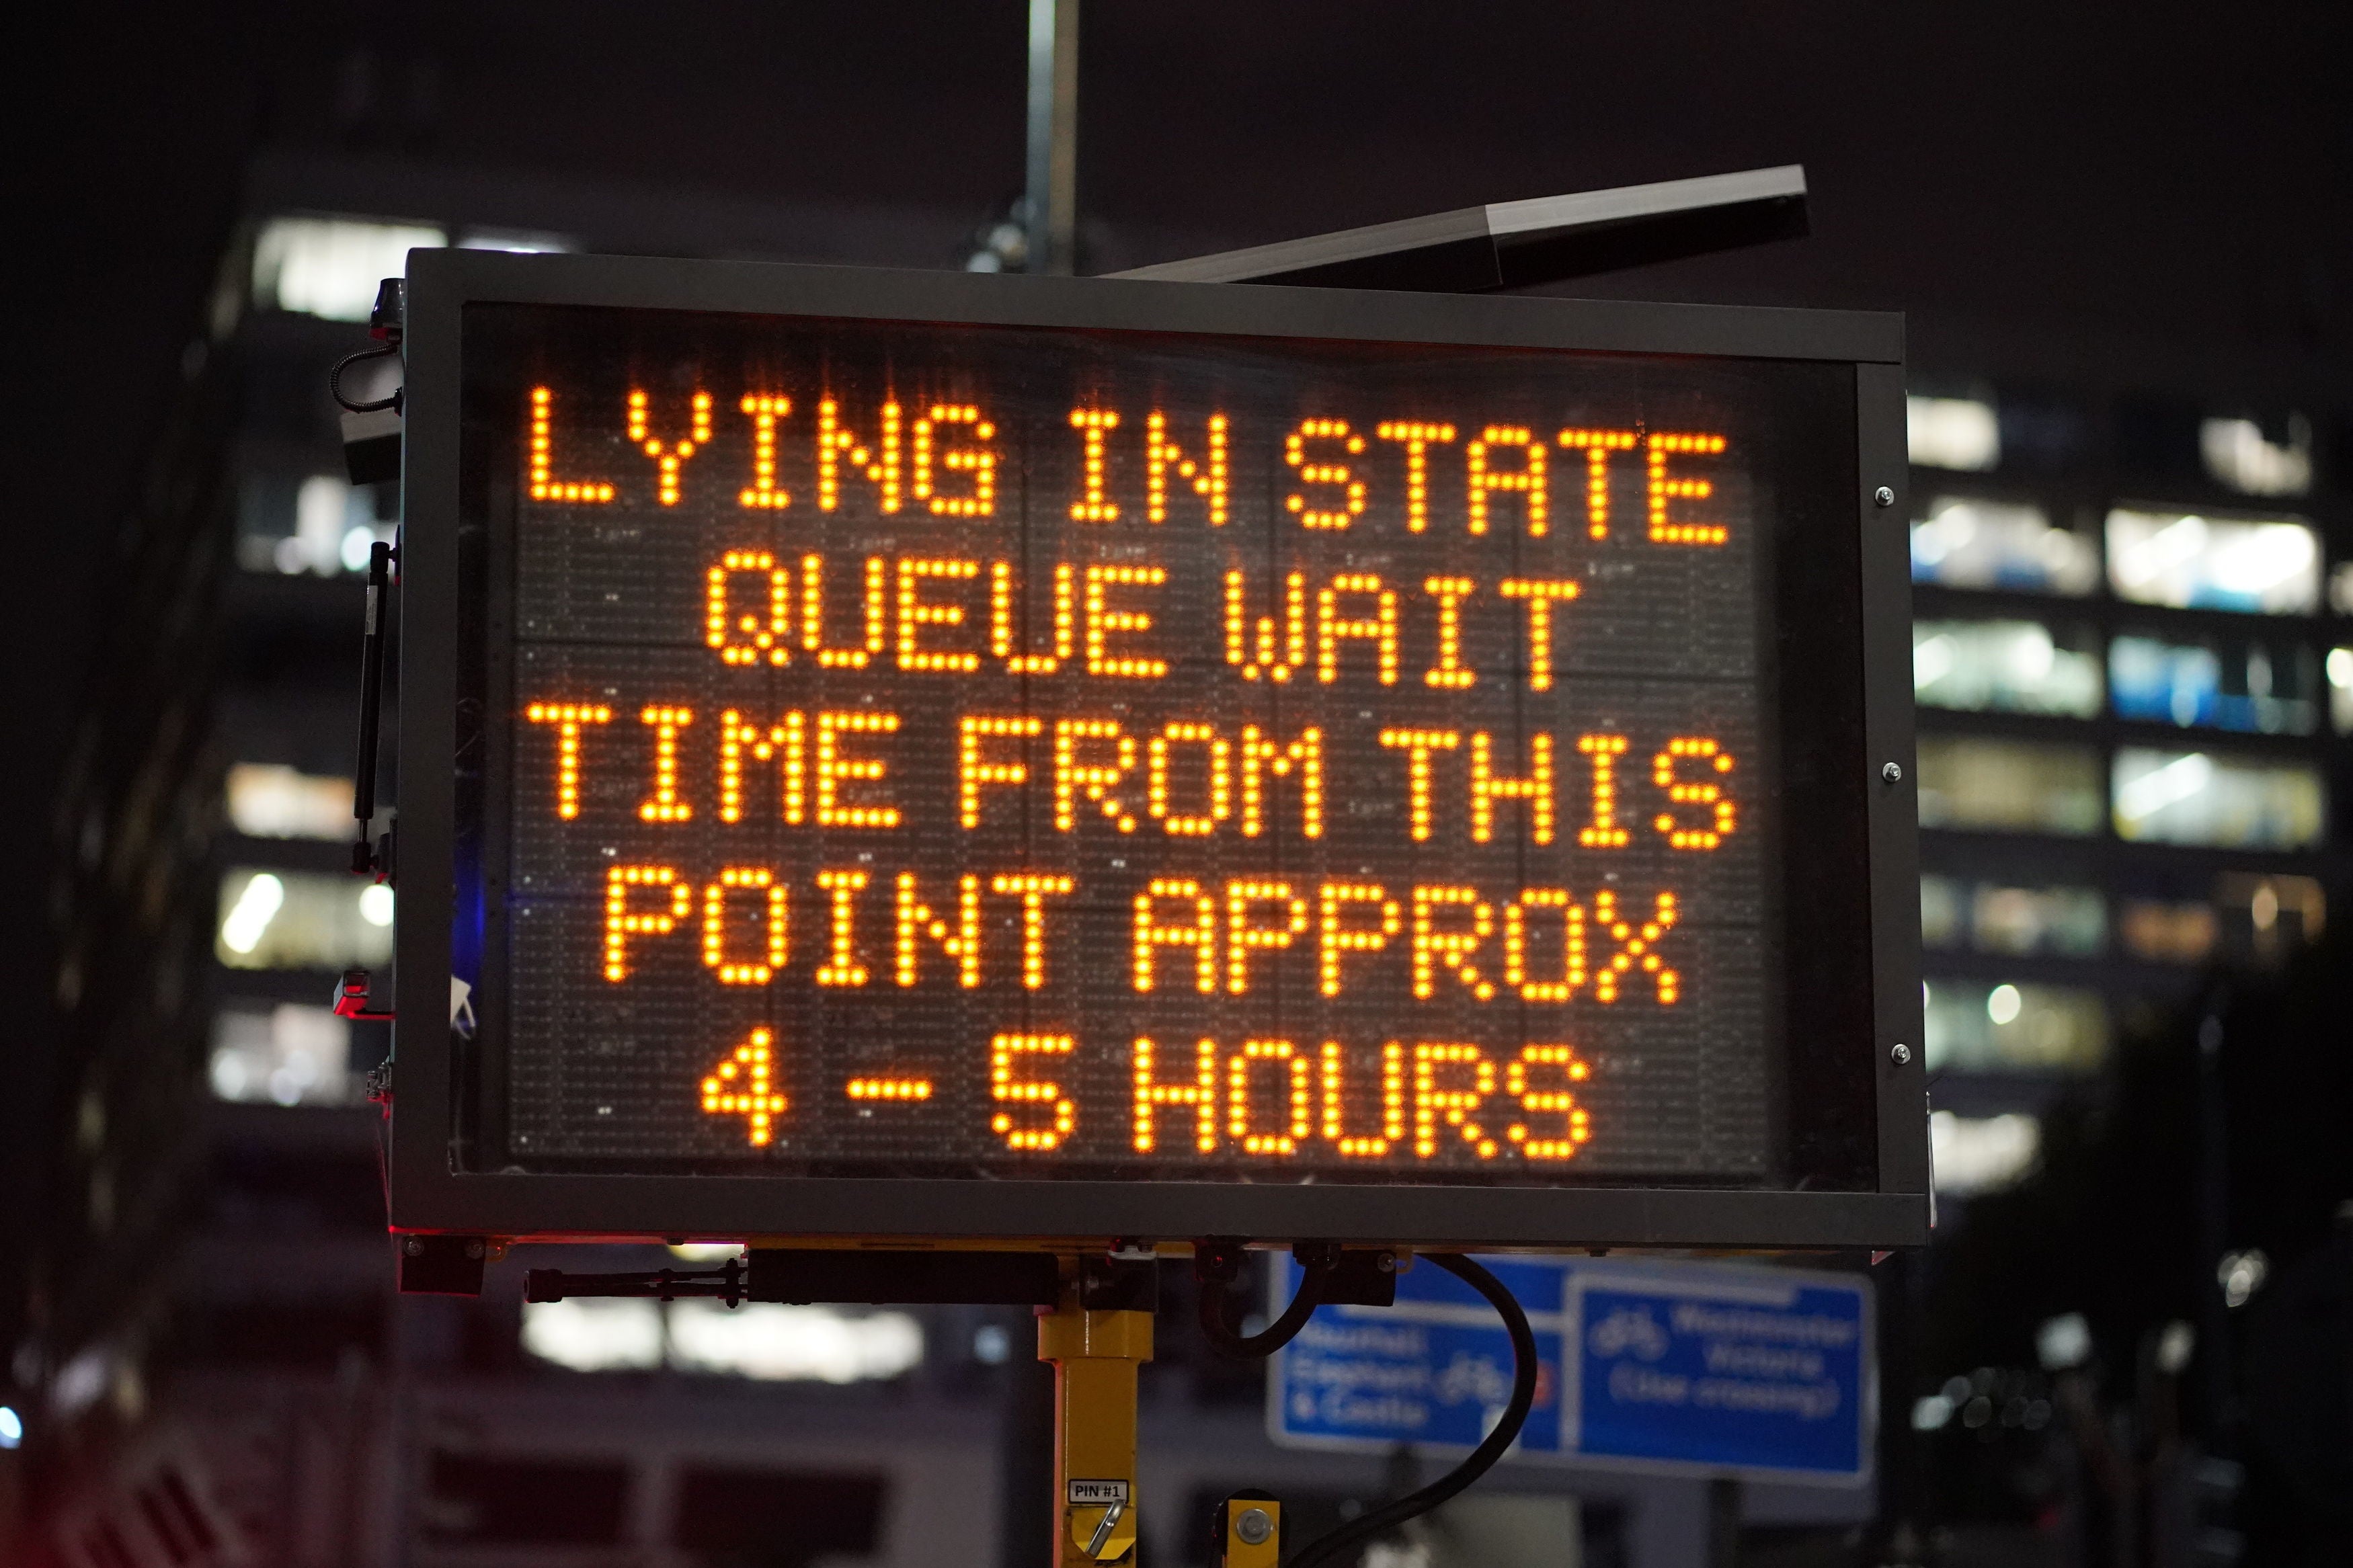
x,y
2101,175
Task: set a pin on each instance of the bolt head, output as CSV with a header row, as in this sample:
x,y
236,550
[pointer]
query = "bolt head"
x,y
473,1249
414,1247
1892,773
1884,496
1385,1262
1254,1527
1900,1054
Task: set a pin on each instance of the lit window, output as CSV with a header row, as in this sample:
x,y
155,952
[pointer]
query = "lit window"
x,y
2160,931
301,919
1975,1154
1931,1412
2267,918
83,1381
290,1055
2241,1274
2264,565
2239,455
595,1335
2340,689
2236,685
2071,922
2009,667
2253,918
322,527
782,1343
1952,433
267,801
1941,903
1973,1027
765,1340
2062,1342
517,241
330,266
1965,543
2015,786
2191,797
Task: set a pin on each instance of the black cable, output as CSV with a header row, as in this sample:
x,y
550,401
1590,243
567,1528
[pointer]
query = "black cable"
x,y
371,641
1277,1334
336,380
1336,1546
731,1284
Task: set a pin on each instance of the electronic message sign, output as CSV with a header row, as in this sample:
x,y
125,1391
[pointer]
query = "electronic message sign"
x,y
1016,758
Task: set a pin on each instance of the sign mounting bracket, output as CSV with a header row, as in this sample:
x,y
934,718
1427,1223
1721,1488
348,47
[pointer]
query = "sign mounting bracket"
x,y
1524,244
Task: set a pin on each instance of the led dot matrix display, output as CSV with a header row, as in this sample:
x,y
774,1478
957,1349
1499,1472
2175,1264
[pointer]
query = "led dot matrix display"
x,y
1020,753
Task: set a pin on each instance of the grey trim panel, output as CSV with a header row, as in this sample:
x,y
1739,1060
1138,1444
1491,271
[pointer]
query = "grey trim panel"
x,y
420,1157
1325,250
1547,213
1882,458
723,1207
1474,247
1604,326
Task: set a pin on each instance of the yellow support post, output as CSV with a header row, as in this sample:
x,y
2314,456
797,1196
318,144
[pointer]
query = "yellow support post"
x,y
1094,1355
1250,1530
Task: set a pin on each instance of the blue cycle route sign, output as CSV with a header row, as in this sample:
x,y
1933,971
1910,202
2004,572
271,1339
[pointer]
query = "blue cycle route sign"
x,y
1663,1365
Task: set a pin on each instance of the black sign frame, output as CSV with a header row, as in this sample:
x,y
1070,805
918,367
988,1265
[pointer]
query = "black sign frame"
x,y
430,1186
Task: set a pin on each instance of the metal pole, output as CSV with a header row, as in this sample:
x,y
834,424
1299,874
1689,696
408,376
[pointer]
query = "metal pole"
x,y
1029,1511
2213,1222
1900,1504
1723,1521
1094,1355
1050,201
